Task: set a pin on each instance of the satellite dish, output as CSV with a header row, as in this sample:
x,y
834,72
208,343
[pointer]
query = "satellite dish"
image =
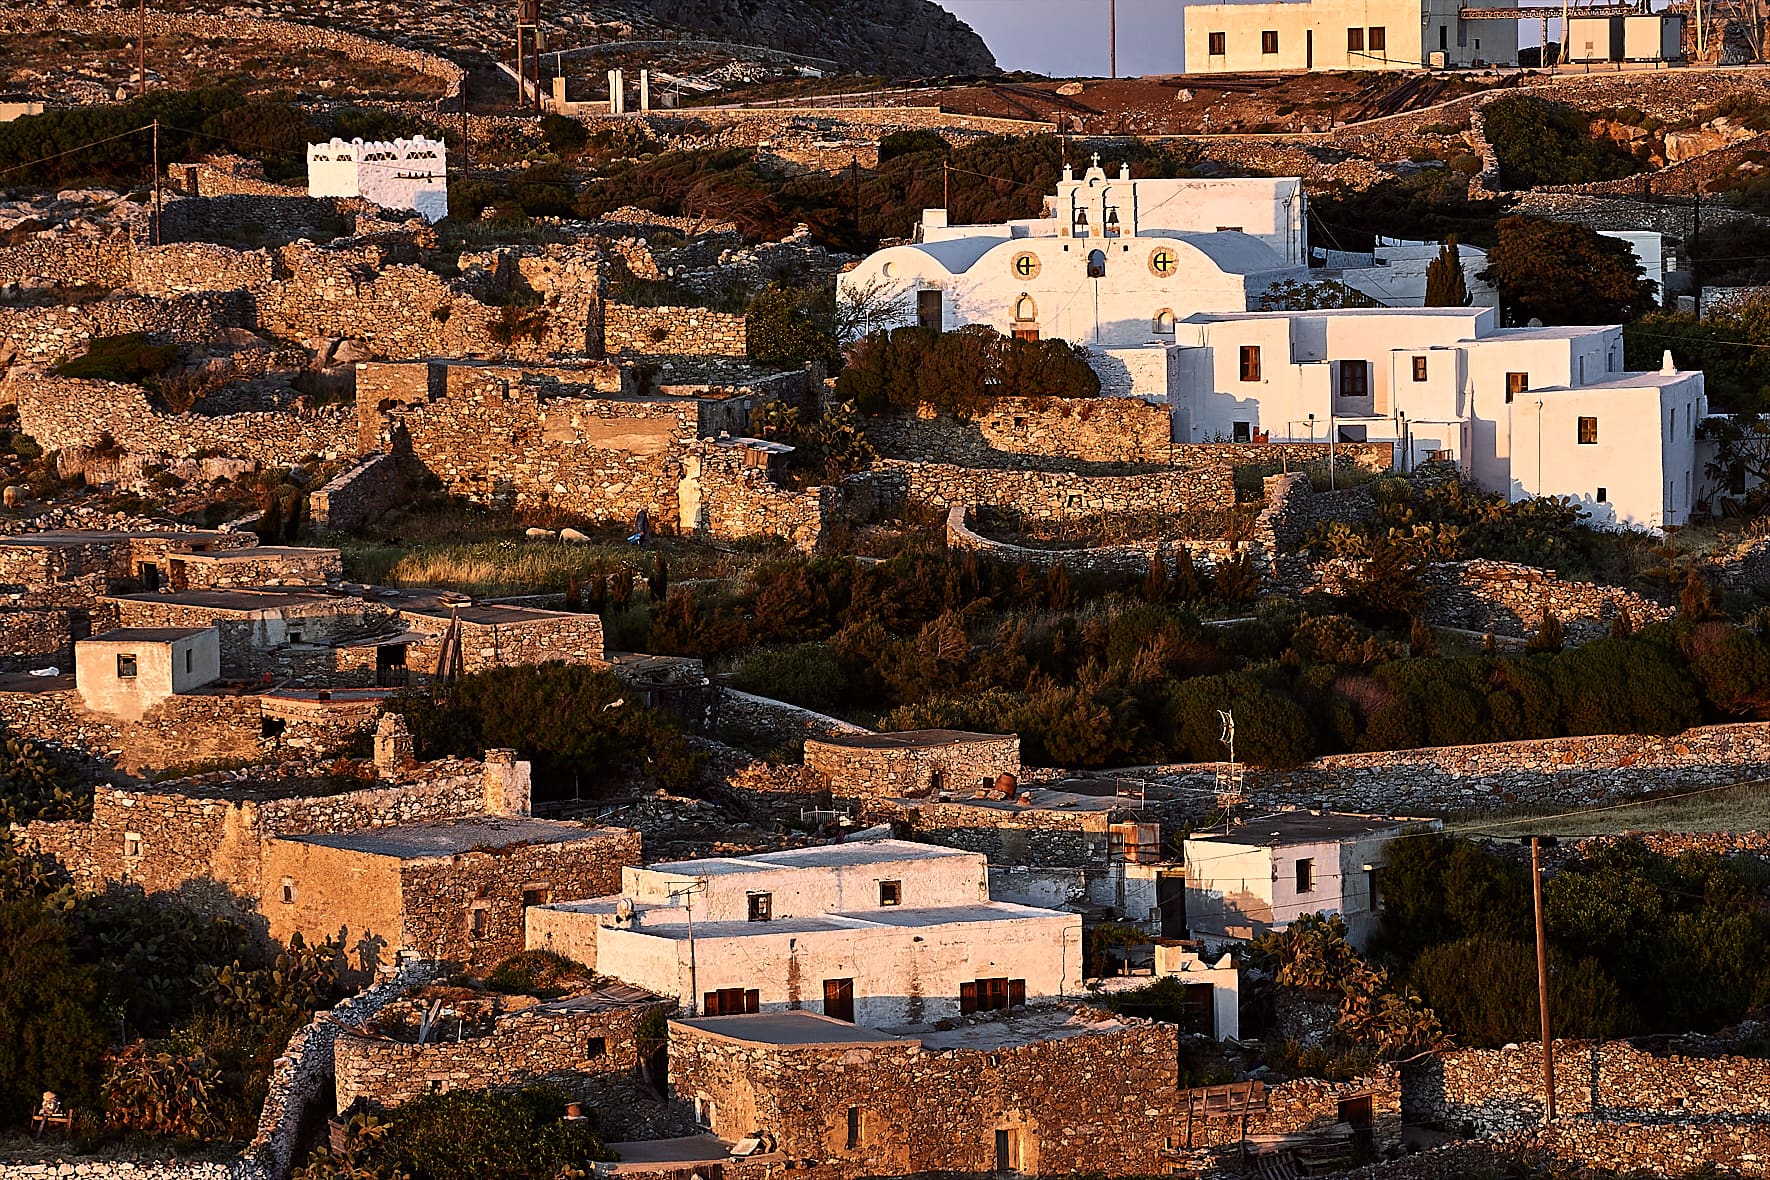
x,y
624,908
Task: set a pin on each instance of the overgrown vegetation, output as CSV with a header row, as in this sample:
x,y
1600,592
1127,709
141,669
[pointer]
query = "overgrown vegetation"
x,y
144,1017
959,373
1638,942
1560,272
1545,143
573,722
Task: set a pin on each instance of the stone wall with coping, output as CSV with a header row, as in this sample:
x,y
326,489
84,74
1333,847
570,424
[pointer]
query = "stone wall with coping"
x,y
40,338
1029,433
1053,495
187,267
1127,560
894,771
298,1078
1501,1090
674,331
1559,772
359,495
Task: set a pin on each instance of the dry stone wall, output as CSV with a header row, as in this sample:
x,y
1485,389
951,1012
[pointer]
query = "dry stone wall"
x,y
1562,772
737,500
75,261
1029,433
1501,1090
593,1054
43,337
674,331
1131,559
889,770
1054,495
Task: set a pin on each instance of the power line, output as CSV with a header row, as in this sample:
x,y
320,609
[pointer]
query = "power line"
x,y
76,150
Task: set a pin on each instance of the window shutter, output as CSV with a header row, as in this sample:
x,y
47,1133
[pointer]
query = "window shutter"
x,y
1016,993
752,1000
710,1005
967,998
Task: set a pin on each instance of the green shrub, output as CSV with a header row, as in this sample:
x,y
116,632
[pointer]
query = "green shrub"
x,y
1544,143
806,674
129,359
476,1135
532,973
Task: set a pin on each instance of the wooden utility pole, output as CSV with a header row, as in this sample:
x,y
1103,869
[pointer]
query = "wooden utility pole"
x,y
1112,37
1542,977
156,182
946,189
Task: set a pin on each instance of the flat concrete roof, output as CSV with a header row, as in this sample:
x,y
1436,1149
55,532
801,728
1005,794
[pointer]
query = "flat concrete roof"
x,y
788,1028
64,537
245,601
452,837
1306,827
258,551
490,615
1023,1027
652,1155
849,924
822,856
1038,799
145,635
908,739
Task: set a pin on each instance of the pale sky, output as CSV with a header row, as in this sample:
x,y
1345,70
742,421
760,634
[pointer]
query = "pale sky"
x,y
1067,38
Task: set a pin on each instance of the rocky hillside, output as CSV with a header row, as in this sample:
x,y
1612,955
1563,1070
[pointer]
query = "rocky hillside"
x,y
901,38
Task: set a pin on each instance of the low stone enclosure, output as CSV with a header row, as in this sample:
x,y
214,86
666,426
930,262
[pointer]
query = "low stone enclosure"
x,y
603,1045
1562,772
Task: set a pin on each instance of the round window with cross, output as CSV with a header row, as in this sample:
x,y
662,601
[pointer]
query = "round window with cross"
x,y
1026,265
1163,262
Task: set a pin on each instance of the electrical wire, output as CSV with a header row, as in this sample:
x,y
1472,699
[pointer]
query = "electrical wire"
x,y
76,150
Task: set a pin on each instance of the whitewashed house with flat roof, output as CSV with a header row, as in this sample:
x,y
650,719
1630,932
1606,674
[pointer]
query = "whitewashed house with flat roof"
x,y
1523,411
1265,874
1342,35
398,174
879,933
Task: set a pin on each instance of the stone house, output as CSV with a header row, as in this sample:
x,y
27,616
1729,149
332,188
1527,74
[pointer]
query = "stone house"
x,y
1054,848
1048,1091
602,1045
912,762
872,932
455,890
496,636
1262,875
436,858
128,671
256,624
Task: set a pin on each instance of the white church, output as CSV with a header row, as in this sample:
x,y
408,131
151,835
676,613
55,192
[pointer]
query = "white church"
x,y
1161,281
401,174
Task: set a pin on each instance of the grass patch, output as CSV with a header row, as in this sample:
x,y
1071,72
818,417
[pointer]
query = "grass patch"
x,y
1740,808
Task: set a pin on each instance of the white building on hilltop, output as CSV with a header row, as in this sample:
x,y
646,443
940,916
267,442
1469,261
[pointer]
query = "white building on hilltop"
x,y
1342,35
1113,261
876,932
1523,411
404,174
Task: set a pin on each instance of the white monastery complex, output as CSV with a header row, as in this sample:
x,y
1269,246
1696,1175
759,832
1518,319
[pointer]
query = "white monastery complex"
x,y
1161,281
402,174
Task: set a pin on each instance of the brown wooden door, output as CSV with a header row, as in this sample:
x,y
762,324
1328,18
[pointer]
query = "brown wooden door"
x,y
839,999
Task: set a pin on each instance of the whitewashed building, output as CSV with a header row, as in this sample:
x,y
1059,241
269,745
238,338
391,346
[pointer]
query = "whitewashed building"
x,y
1265,874
1342,35
1113,261
1522,411
880,933
402,174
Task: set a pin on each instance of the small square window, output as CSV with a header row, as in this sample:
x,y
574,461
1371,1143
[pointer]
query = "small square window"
x,y
187,661
437,1085
1219,44
1603,495
598,1047
480,922
1306,875
1379,39
1241,432
1419,368
536,895
126,667
891,893
1588,431
1354,40
288,891
1250,362
761,907
132,844
1269,41
1516,383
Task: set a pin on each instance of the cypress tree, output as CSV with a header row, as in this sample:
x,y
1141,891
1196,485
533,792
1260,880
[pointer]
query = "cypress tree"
x,y
1445,285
